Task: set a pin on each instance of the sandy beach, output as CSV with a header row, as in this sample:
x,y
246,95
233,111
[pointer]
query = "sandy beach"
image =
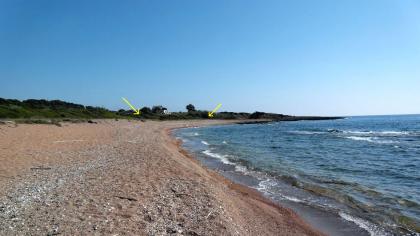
x,y
124,178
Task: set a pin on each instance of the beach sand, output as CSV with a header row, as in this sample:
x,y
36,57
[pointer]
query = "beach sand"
x,y
124,178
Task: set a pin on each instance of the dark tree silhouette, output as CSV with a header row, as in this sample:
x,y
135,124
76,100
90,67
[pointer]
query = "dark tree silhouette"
x,y
190,108
146,110
158,109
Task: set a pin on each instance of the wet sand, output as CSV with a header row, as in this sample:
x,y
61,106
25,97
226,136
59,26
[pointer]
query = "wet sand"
x,y
125,178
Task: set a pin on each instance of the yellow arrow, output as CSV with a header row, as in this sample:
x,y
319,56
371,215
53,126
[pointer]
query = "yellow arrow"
x,y
136,111
211,114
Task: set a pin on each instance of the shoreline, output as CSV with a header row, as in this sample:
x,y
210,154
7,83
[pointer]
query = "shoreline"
x,y
124,177
329,223
245,191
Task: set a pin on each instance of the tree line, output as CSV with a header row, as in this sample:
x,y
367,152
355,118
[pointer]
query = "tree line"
x,y
42,108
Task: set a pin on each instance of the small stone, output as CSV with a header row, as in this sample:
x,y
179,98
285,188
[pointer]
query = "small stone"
x,y
170,230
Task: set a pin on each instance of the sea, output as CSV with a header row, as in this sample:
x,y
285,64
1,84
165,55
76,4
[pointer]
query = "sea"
x,y
352,176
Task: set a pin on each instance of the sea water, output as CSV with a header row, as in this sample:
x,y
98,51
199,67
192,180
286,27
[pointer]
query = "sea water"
x,y
365,170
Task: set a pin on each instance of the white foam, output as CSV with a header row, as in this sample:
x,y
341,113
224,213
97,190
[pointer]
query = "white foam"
x,y
371,228
205,143
218,156
265,184
192,134
240,168
224,142
395,132
371,139
293,199
380,133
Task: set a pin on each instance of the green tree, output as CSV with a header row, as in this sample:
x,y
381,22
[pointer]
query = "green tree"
x,y
190,108
146,110
158,109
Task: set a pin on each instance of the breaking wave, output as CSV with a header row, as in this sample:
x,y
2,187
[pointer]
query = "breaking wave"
x,y
371,228
371,139
218,156
379,133
225,160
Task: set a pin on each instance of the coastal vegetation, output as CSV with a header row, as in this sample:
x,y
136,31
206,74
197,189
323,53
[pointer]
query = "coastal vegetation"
x,y
34,110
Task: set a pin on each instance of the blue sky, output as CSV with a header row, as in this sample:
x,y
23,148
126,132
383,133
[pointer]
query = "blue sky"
x,y
350,57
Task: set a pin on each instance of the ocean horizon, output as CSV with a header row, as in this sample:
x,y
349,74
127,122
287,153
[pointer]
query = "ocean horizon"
x,y
360,174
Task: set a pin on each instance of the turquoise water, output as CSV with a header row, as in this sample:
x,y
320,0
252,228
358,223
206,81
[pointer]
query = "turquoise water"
x,y
364,169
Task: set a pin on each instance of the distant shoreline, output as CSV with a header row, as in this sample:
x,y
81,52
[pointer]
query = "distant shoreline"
x,y
53,111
